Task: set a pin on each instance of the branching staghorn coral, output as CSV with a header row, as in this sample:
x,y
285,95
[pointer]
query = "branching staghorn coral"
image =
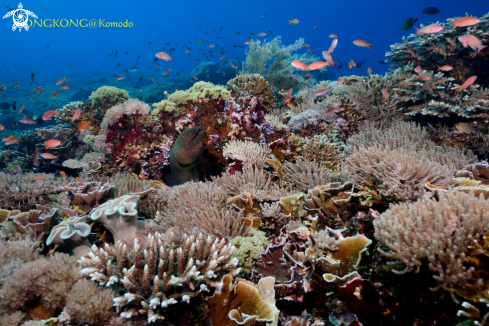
x,y
439,234
272,61
156,275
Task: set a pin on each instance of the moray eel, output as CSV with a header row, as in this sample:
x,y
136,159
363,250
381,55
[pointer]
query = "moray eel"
x,y
185,154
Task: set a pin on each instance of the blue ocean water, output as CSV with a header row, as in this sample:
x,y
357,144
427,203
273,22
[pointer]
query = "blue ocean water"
x,y
81,53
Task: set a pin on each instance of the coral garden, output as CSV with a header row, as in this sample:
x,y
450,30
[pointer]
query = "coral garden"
x,y
258,201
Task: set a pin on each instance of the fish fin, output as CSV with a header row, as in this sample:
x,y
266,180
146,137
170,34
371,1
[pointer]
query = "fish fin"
x,y
416,31
368,45
481,48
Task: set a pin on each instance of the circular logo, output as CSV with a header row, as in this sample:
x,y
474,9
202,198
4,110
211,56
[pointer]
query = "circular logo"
x,y
20,18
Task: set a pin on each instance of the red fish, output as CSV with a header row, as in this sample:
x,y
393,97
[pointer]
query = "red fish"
x,y
430,29
55,94
164,56
333,45
423,77
2,127
418,70
299,65
467,83
76,115
10,140
39,177
317,65
63,174
362,43
21,108
464,21
330,110
233,65
294,21
195,77
385,94
321,92
35,158
48,156
51,143
27,121
61,80
154,81
48,115
65,87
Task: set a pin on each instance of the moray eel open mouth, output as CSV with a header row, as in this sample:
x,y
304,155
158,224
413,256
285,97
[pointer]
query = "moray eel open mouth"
x,y
195,136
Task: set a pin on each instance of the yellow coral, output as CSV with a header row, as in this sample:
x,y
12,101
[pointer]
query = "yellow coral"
x,y
249,249
110,94
168,106
200,90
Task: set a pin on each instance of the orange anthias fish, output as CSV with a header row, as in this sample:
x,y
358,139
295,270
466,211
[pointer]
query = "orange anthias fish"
x,y
248,42
39,89
15,85
21,108
48,156
165,72
333,36
464,22
35,158
76,115
362,43
369,70
51,143
423,77
65,87
320,92
63,174
472,41
222,57
467,83
2,127
79,180
385,94
418,70
317,65
195,77
333,45
340,81
61,80
294,21
48,115
289,92
154,81
27,121
10,140
299,65
233,65
445,68
55,94
39,177
261,34
84,125
430,29
164,56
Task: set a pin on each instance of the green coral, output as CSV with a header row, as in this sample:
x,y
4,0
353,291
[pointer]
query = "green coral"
x,y
168,106
89,140
200,90
108,94
249,249
18,162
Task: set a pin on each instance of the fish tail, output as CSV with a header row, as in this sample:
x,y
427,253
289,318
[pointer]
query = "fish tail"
x,y
416,31
171,59
368,46
481,48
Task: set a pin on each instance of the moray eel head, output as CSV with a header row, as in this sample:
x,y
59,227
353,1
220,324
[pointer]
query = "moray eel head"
x,y
185,154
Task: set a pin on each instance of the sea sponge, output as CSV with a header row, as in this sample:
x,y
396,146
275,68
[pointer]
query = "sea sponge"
x,y
72,233
90,140
108,94
248,249
253,85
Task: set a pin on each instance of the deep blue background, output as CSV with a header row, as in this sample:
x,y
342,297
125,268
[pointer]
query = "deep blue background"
x,y
78,51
